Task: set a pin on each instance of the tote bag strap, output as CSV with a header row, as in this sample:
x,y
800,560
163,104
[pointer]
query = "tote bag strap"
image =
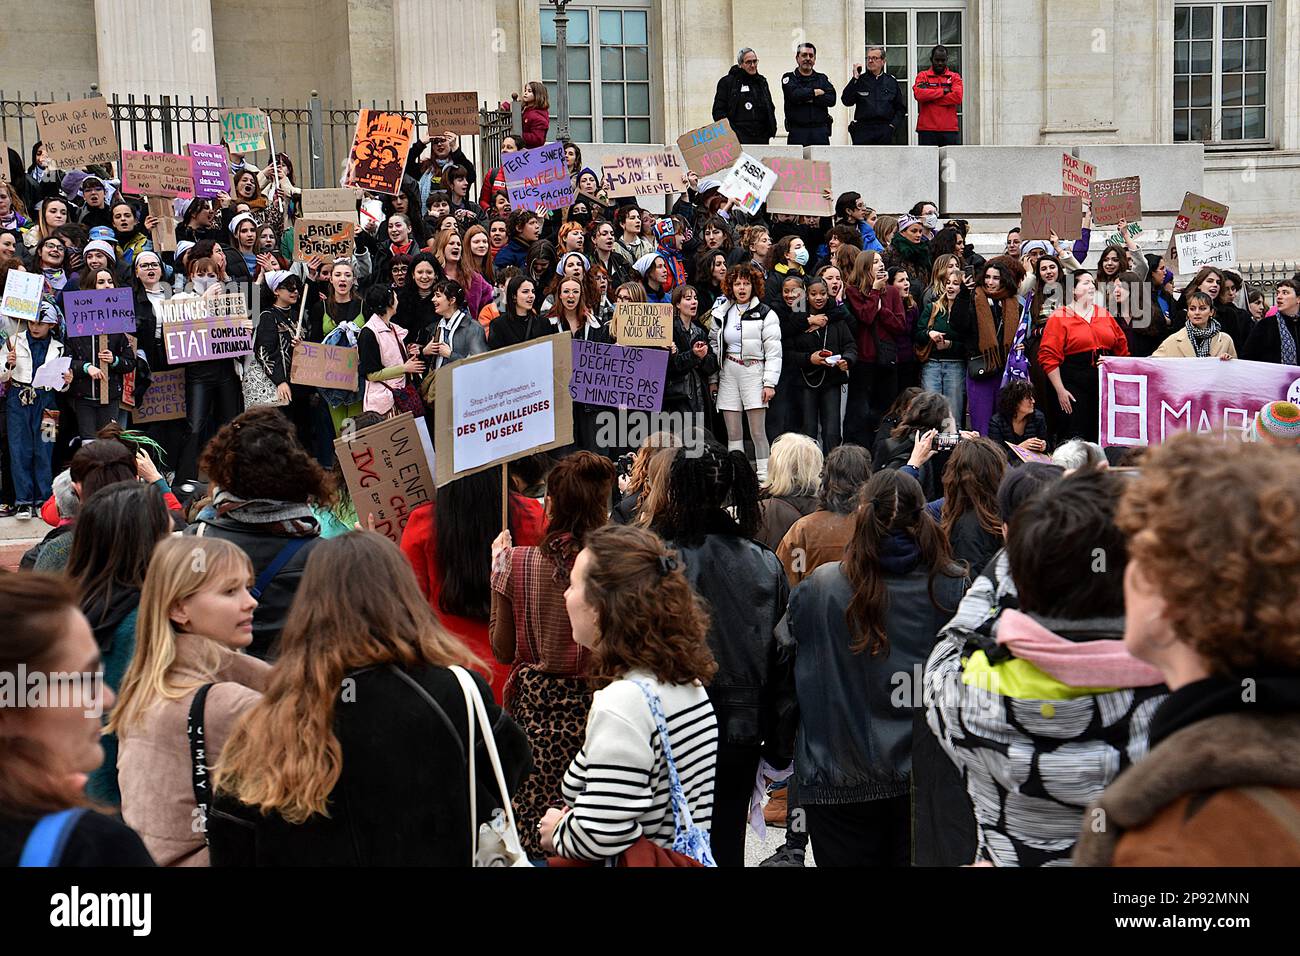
x,y
474,707
44,846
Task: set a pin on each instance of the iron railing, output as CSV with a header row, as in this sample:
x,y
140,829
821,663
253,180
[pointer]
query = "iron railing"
x,y
1265,276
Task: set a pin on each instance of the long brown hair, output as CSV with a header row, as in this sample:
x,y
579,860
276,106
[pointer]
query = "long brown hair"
x,y
862,276
358,606
577,503
892,503
970,483
482,266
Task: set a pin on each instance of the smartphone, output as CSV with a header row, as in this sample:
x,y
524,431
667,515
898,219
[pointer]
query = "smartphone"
x,y
943,442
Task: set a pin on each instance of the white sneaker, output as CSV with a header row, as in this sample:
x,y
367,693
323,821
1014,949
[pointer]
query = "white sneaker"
x,y
24,513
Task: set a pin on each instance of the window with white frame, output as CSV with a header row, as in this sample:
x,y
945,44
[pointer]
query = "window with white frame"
x,y
1221,55
608,72
909,31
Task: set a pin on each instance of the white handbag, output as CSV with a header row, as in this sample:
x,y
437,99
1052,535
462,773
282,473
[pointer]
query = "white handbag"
x,y
495,843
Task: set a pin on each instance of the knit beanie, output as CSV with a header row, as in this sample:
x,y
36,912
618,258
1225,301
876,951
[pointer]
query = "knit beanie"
x,y
1278,424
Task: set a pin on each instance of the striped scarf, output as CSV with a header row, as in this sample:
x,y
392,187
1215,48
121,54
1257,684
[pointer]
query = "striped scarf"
x,y
1202,338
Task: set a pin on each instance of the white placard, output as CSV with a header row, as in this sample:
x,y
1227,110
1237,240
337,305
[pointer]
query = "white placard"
x,y
22,295
748,183
1208,247
50,375
503,406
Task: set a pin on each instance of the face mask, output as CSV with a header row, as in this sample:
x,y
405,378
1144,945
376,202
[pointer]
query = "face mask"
x,y
931,222
801,256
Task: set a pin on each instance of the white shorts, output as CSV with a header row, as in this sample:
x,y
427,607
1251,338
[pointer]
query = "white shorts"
x,y
740,387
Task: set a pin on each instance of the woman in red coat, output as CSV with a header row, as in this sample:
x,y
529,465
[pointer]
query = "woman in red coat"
x,y
1075,339
449,544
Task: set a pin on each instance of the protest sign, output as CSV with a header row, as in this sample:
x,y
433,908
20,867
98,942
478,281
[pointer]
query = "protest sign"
x,y
502,405
199,329
99,312
164,401
1199,213
22,295
643,323
1024,454
1116,199
1133,231
243,129
4,162
800,184
387,473
50,375
1206,247
336,204
710,149
164,231
1042,214
1144,400
452,113
211,170
749,183
78,133
379,150
538,178
157,174
1076,176
650,174
329,239
323,366
618,377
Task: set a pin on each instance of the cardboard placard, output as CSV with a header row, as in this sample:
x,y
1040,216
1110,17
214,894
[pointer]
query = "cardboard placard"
x,y
211,170
1024,454
538,178
799,188
643,323
710,149
327,238
1076,176
157,174
649,174
198,330
387,472
165,399
4,162
748,183
1116,199
379,149
453,113
618,377
337,204
99,312
164,232
1206,247
1198,213
22,295
1042,214
243,129
503,405
324,366
79,133
1134,231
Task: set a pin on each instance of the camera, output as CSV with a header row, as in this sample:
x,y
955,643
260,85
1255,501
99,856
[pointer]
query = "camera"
x,y
624,464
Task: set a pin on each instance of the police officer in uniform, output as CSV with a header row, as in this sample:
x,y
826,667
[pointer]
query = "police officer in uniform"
x,y
744,98
879,101
809,96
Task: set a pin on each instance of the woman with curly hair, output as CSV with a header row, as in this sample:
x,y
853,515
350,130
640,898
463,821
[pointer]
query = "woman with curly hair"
x,y
1211,601
652,728
986,314
1018,421
265,484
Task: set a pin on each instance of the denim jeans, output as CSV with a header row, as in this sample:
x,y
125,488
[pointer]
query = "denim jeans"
x,y
29,452
949,380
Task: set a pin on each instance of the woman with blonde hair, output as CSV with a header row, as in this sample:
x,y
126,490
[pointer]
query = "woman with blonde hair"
x,y
195,616
356,754
638,479
794,474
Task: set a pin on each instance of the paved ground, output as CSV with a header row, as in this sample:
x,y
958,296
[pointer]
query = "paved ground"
x,y
757,850
16,537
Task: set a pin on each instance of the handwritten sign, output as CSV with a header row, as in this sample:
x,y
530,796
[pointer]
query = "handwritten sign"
x,y
164,231
502,405
748,183
199,330
710,149
164,401
1198,213
4,162
1145,400
379,149
1206,247
338,204
1133,231
100,312
78,133
387,472
243,130
329,239
1024,454
538,178
643,323
1116,199
157,174
652,174
324,366
22,295
800,184
1076,176
1042,214
211,170
618,377
453,113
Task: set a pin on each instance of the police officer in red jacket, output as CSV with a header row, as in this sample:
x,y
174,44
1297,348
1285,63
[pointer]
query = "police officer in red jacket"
x,y
938,94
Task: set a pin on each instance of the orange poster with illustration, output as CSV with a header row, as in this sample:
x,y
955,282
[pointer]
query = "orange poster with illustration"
x,y
379,151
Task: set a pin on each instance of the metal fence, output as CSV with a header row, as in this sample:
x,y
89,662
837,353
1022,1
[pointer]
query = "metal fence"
x,y
316,136
1265,276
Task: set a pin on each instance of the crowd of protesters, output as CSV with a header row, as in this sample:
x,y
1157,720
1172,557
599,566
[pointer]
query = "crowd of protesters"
x,y
647,650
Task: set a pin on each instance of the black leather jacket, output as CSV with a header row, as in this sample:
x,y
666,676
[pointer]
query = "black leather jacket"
x,y
753,690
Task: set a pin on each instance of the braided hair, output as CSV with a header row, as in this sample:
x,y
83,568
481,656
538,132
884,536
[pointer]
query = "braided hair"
x,y
700,489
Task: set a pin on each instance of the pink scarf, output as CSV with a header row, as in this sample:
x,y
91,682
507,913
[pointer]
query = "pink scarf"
x,y
1101,663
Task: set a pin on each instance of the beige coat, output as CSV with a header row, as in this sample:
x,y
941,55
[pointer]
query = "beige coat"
x,y
1179,345
153,760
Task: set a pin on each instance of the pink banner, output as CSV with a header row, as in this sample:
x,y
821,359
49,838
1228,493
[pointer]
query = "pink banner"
x,y
1145,400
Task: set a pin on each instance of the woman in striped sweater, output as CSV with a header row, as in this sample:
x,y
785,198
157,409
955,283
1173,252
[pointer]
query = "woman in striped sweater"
x,y
630,604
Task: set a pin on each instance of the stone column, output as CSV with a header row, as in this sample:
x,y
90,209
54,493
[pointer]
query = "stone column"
x,y
156,49
448,46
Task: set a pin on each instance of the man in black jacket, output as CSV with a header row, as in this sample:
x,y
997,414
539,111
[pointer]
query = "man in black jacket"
x,y
809,96
1273,338
744,98
879,101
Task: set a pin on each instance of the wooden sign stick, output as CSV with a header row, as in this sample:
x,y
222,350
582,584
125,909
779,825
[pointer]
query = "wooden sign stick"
x,y
103,382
